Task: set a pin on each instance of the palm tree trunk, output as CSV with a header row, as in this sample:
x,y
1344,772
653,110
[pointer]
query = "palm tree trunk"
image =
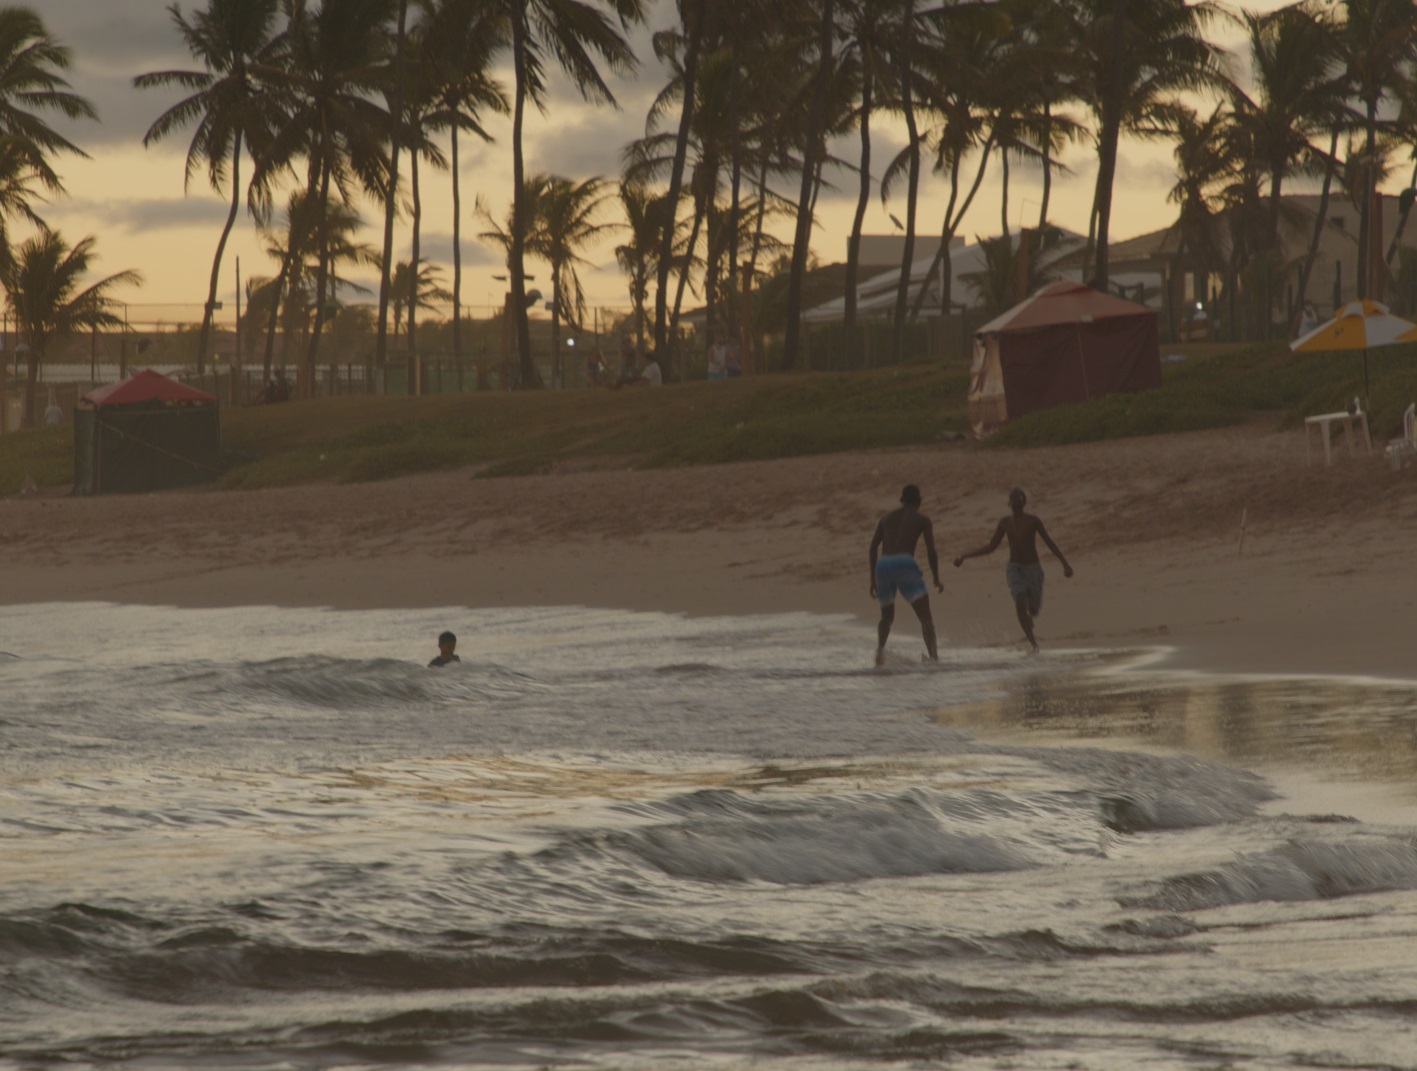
x,y
274,318
322,278
853,247
1108,138
27,413
1004,194
1047,163
735,183
516,250
205,333
391,194
762,215
813,145
953,218
907,256
684,275
1320,219
413,274
557,378
457,253
1365,210
676,170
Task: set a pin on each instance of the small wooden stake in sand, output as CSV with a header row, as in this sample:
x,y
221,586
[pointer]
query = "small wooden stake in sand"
x,y
1243,514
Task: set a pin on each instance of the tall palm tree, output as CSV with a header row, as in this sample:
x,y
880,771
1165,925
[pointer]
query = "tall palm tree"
x,y
333,64
299,250
32,80
43,282
230,107
396,87
25,178
563,223
1378,42
1207,164
461,41
638,254
572,33
1137,54
1300,88
814,149
406,293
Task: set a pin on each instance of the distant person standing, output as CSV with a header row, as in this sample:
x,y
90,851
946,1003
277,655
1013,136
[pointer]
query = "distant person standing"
x,y
1308,319
652,374
895,569
718,359
447,644
52,413
1024,573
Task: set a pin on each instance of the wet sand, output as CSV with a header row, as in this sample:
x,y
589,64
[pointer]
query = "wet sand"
x,y
1323,580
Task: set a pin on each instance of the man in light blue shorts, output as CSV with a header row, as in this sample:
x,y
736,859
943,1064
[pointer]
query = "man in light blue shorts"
x,y
1024,573
895,572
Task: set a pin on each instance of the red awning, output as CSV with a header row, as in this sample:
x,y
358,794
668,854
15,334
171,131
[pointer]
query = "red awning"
x,y
146,386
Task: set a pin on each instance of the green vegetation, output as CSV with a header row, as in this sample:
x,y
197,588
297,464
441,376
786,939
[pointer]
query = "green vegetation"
x,y
373,438
1214,387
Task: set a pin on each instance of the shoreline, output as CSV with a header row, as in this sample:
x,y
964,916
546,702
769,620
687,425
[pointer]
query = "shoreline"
x,y
1319,585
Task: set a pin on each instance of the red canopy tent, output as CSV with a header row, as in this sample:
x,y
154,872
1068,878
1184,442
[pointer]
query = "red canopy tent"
x,y
1064,344
146,386
145,433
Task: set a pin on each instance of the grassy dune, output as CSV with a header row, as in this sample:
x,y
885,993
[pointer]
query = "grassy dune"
x,y
371,438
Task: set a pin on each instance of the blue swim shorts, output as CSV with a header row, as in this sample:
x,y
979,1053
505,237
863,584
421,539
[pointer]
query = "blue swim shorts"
x,y
898,573
1026,582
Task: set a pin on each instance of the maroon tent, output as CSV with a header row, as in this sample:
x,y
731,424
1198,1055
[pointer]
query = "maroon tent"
x,y
145,433
1065,344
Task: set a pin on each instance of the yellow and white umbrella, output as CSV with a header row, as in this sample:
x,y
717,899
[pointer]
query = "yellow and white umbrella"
x,y
1359,325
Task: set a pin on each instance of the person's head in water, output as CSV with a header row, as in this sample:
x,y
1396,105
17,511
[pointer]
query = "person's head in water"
x,y
1017,499
447,644
910,495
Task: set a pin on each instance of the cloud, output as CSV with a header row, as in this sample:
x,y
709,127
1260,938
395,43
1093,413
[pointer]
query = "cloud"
x,y
152,214
437,247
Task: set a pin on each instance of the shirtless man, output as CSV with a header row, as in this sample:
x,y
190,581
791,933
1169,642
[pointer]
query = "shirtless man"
x,y
895,570
1024,573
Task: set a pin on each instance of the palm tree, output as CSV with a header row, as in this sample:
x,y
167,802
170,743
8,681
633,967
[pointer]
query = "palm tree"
x,y
1136,54
22,169
1378,43
43,281
298,249
694,16
230,107
404,294
814,149
333,63
573,33
562,224
461,40
638,255
31,79
1300,90
968,105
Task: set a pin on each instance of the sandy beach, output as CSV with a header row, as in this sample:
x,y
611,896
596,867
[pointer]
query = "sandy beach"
x,y
1321,582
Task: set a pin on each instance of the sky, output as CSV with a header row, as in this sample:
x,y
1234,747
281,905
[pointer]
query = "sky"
x,y
132,199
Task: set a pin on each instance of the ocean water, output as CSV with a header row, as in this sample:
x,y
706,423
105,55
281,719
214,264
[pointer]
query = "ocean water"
x,y
271,839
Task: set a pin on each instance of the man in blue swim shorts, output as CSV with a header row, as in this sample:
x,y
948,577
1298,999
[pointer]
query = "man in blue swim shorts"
x,y
1024,573
895,572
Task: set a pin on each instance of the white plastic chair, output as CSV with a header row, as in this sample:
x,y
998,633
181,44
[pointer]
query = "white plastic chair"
x,y
1399,451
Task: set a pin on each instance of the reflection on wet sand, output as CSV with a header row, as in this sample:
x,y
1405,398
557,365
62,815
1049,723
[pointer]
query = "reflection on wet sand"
x,y
1349,729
